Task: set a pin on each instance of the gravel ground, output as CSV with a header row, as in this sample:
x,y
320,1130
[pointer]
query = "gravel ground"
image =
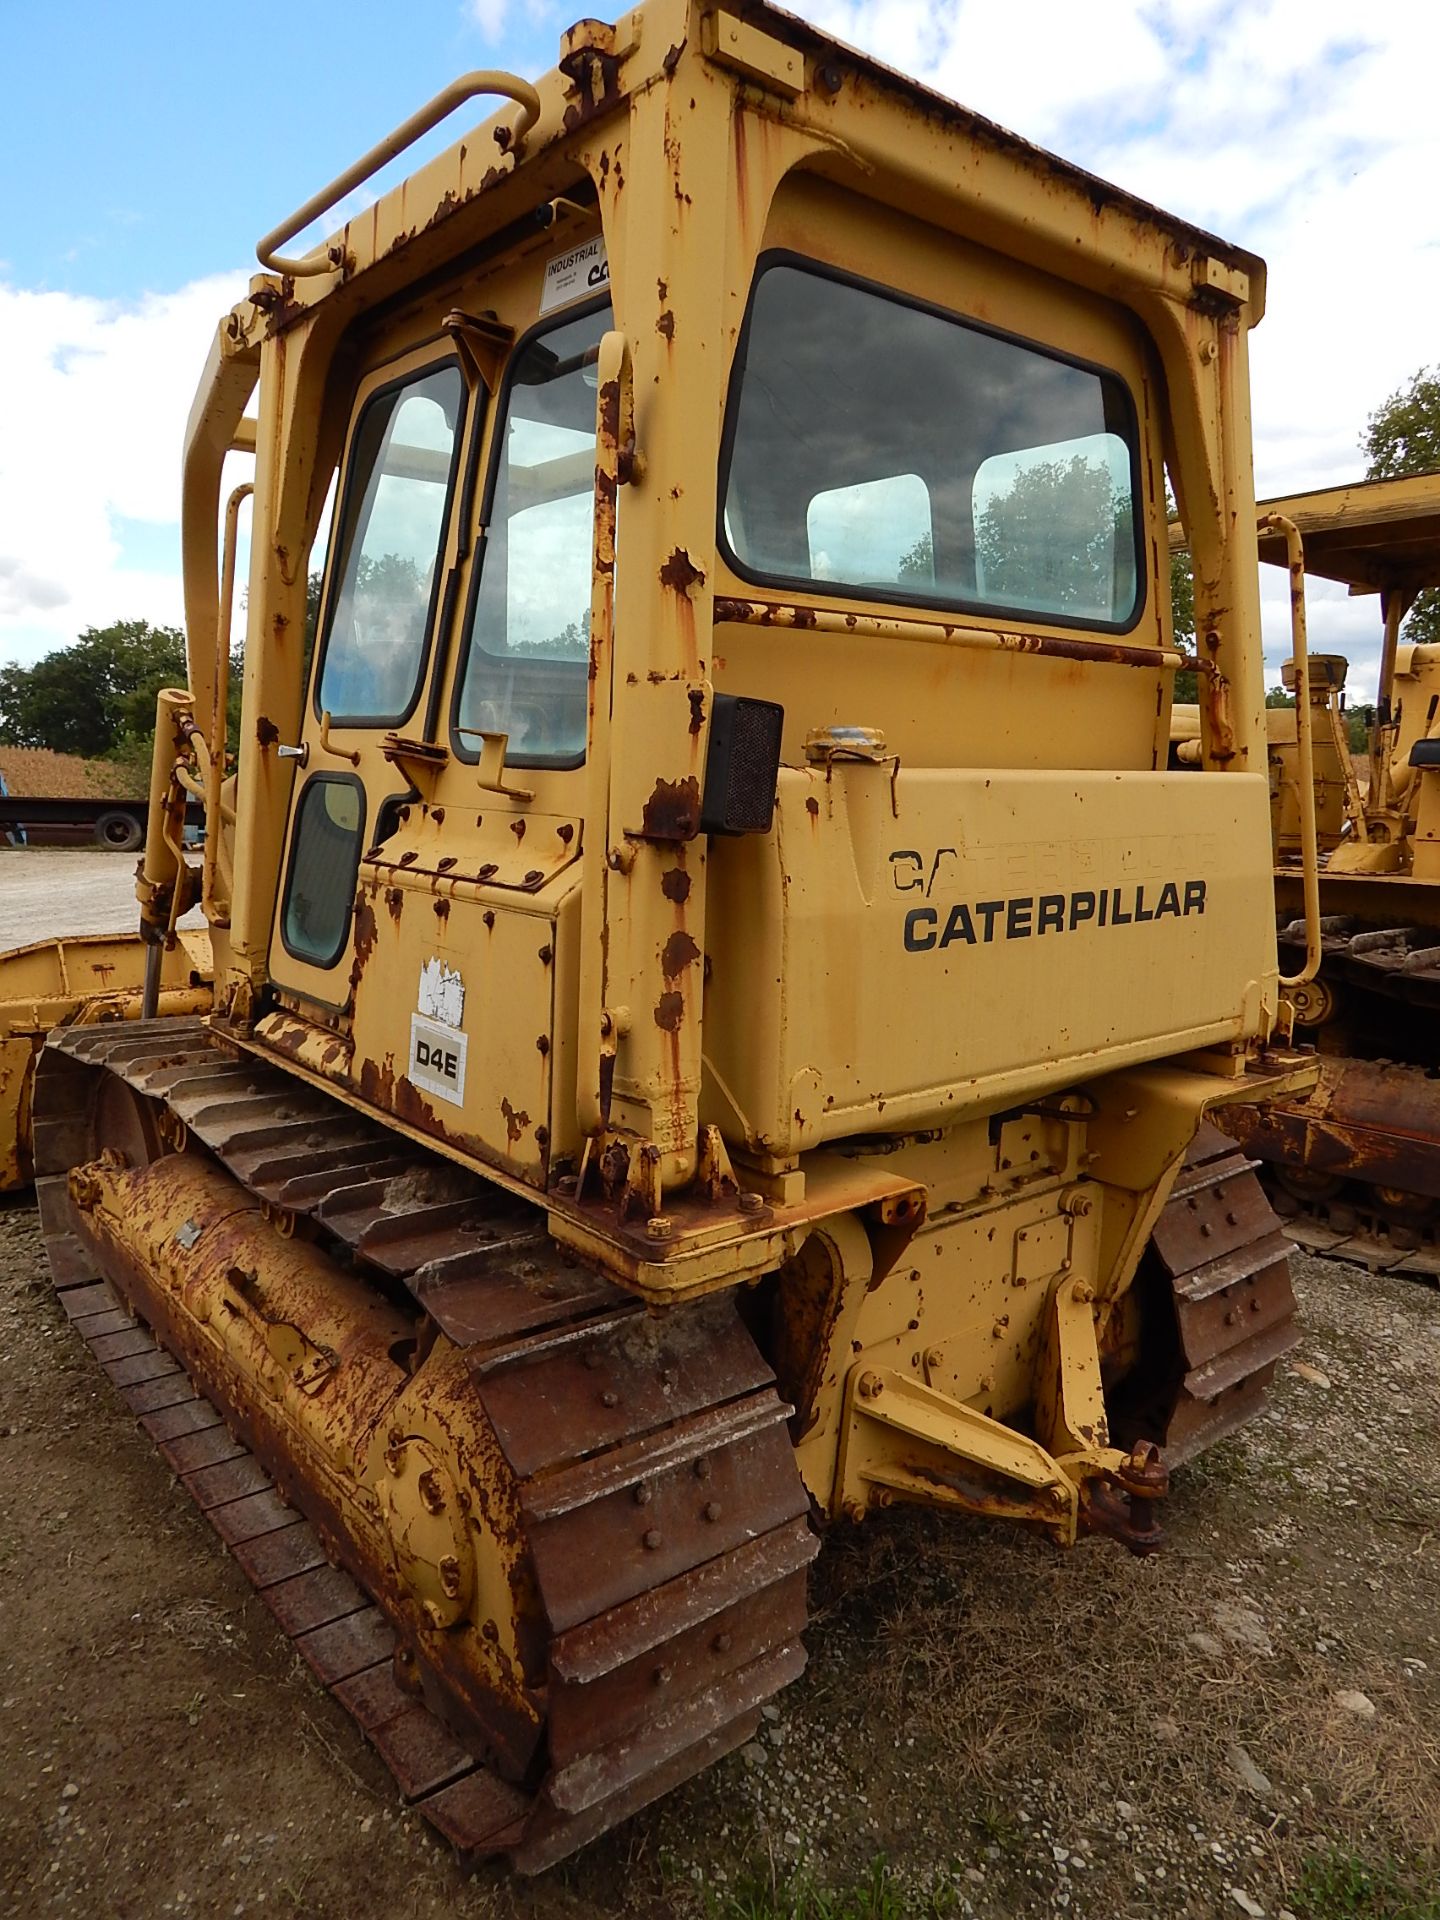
x,y
46,892
1244,1725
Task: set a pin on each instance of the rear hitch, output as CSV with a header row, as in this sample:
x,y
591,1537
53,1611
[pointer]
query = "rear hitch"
x,y
1123,1502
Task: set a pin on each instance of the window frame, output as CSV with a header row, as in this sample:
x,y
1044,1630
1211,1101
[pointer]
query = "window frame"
x,y
339,553
460,746
833,590
323,778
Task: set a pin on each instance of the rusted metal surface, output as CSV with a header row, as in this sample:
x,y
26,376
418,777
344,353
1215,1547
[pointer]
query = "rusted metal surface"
x,y
1218,1307
1370,1121
831,620
636,1474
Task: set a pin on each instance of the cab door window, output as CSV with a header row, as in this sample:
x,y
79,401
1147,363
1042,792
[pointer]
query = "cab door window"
x,y
526,670
402,469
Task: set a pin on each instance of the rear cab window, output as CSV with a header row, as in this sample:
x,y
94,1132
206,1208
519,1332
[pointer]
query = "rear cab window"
x,y
901,453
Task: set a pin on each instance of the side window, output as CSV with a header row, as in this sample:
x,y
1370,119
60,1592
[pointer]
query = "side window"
x,y
526,670
896,452
324,860
402,465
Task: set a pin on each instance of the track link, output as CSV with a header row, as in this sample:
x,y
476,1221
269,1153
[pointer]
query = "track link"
x,y
1215,1287
1350,1226
664,1521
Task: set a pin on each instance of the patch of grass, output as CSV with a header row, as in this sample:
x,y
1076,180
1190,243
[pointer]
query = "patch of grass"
x,y
1342,1886
996,1826
881,1896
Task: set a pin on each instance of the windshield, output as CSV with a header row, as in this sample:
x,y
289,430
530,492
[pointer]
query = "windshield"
x,y
401,466
905,454
527,661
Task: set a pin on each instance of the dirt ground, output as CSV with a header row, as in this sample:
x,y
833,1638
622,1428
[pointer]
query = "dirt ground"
x,y
46,892
1246,1724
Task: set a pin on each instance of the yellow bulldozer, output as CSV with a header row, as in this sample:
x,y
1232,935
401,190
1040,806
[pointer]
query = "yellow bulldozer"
x,y
1354,1166
717,992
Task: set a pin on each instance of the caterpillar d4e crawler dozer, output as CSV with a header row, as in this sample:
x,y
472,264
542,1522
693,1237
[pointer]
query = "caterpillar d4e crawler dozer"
x,y
1354,1166
714,980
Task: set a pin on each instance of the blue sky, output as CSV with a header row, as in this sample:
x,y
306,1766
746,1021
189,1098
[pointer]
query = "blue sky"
x,y
145,146
152,143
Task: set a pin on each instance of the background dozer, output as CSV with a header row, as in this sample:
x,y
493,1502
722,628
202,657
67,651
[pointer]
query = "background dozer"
x,y
715,982
1354,1166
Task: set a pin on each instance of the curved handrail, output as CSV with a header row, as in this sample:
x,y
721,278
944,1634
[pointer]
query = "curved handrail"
x,y
509,85
1309,852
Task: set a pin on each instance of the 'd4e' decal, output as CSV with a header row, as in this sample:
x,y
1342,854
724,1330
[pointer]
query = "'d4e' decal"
x,y
437,1059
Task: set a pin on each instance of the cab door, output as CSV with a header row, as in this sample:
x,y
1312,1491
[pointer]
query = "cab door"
x,y
392,551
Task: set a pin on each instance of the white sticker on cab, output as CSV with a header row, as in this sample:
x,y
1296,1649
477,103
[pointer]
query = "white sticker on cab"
x,y
575,275
437,1059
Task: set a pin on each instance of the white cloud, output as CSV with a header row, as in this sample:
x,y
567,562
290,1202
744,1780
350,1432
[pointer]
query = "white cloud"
x,y
493,17
93,399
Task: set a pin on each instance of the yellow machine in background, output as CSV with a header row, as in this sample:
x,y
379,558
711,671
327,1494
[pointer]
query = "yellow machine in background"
x,y
715,981
1355,1166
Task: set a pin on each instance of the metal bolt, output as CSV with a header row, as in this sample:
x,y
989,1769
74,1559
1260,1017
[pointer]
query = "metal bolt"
x,y
662,1676
660,1228
721,1643
1084,1293
652,1538
712,1509
450,1575
431,1493
609,1398
643,1495
932,1358
702,1469
750,1202
884,1497
871,1386
853,1510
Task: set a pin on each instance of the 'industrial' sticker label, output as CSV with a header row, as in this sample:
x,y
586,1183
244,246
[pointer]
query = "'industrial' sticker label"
x,y
437,1059
575,275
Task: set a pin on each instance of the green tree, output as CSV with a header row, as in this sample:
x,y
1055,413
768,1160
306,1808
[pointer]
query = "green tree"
x,y
89,697
1054,538
1403,437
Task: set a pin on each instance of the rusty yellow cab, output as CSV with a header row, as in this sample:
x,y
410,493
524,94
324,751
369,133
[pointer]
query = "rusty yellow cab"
x,y
714,978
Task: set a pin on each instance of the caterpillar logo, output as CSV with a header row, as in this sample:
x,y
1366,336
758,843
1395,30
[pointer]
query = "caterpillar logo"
x,y
1031,916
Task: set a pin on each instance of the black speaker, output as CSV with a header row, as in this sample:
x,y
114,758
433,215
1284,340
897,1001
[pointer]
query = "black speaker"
x,y
742,765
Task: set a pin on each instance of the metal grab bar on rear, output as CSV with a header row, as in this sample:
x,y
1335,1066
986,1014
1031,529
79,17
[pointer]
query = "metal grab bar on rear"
x,y
1309,854
323,259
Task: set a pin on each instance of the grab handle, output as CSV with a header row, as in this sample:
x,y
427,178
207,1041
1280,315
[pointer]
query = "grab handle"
x,y
1309,854
322,260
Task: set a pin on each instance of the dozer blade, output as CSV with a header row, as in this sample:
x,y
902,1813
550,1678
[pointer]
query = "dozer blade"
x,y
89,980
1354,1168
549,1551
1216,1289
